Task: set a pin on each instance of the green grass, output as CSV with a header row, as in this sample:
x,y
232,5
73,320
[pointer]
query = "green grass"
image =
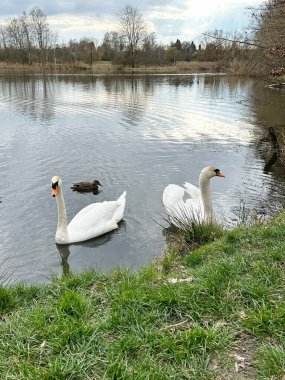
x,y
271,364
187,231
141,325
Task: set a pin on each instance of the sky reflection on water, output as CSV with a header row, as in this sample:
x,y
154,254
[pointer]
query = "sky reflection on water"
x,y
132,133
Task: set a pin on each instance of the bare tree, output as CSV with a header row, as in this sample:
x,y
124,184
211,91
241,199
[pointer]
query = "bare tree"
x,y
27,38
172,54
269,30
40,30
133,28
112,43
18,38
263,51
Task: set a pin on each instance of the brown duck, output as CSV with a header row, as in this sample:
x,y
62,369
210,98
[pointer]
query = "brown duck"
x,y
85,187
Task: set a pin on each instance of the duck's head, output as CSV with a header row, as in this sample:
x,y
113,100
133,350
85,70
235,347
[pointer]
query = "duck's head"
x,y
96,183
56,183
212,171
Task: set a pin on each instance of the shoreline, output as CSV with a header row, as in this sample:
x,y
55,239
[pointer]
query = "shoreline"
x,y
107,68
215,311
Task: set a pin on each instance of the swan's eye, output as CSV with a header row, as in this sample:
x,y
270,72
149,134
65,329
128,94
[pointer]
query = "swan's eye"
x,y
217,171
54,185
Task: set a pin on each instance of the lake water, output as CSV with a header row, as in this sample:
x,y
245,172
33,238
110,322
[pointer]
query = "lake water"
x,y
132,133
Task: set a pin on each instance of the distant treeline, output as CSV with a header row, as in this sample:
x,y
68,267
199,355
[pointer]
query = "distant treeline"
x,y
260,50
27,39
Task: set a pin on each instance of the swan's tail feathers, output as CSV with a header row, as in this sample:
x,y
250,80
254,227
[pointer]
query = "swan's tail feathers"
x,y
121,201
122,198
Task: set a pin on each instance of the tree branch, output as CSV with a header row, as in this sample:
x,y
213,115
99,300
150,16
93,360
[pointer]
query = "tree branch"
x,y
237,41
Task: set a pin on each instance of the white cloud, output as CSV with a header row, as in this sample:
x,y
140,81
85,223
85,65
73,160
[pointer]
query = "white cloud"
x,y
198,9
165,13
170,19
188,19
71,26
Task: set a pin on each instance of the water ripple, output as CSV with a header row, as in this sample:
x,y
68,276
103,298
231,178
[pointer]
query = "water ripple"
x,y
132,133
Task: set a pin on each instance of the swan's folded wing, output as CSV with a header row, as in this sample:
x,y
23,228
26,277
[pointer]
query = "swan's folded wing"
x,y
183,204
95,213
94,220
78,184
192,190
172,196
194,204
86,210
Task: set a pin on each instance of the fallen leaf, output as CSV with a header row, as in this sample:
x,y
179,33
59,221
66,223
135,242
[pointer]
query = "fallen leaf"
x,y
242,314
239,358
179,280
220,324
187,279
172,280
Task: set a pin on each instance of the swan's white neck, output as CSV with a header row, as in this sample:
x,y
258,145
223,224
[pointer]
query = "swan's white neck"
x,y
61,232
205,188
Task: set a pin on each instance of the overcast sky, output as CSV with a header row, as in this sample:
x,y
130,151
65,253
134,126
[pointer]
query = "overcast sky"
x,y
169,19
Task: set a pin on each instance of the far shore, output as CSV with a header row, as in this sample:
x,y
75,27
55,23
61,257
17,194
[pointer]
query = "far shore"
x,y
109,68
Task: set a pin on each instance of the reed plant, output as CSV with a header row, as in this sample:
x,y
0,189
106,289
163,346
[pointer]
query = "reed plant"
x,y
190,226
108,68
245,216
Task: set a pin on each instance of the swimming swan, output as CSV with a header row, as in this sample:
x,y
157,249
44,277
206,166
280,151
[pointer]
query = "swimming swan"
x,y
93,220
198,207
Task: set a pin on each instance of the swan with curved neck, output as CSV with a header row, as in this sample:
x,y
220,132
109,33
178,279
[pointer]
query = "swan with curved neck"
x,y
199,206
93,220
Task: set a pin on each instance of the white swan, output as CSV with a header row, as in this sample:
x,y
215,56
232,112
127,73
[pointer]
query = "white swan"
x,y
93,220
198,207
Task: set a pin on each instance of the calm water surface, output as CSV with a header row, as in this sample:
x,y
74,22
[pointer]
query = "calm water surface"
x,y
135,134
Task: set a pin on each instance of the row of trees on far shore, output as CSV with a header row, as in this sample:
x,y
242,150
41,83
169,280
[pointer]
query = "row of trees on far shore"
x,y
28,39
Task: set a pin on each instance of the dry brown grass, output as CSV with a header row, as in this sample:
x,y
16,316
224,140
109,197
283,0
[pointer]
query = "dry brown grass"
x,y
176,68
40,68
102,67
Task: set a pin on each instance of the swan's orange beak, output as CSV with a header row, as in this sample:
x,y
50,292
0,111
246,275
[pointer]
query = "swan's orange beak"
x,y
54,191
219,174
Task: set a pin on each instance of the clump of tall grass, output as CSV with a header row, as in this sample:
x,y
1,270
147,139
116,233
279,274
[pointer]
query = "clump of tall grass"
x,y
245,216
187,227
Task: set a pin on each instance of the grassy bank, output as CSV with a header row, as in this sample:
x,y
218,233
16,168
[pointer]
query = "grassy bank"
x,y
217,313
107,68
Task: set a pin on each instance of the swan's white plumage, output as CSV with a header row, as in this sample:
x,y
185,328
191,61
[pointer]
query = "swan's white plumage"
x,y
194,192
93,220
96,219
181,202
189,202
